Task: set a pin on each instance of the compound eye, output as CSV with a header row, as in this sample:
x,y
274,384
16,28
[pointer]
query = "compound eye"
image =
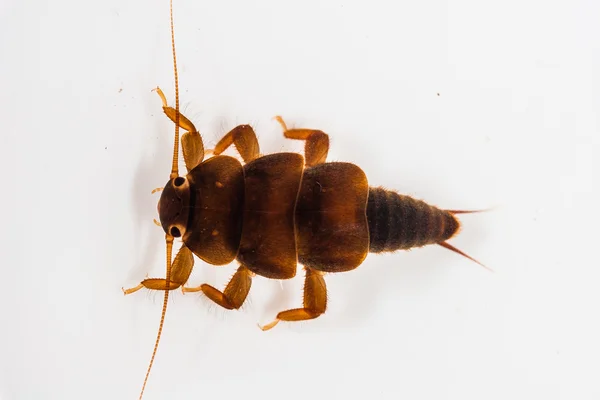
x,y
178,181
175,232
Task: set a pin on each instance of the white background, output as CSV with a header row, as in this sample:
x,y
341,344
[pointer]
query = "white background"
x,y
464,104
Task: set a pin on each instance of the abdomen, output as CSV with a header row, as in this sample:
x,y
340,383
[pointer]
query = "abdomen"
x,y
398,222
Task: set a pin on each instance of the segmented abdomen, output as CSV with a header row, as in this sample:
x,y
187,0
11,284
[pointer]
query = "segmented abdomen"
x,y
398,222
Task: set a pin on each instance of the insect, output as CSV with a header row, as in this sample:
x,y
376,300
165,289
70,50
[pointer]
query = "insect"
x,y
274,211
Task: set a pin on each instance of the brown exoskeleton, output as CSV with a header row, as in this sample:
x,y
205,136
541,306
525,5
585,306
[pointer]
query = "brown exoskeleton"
x,y
274,211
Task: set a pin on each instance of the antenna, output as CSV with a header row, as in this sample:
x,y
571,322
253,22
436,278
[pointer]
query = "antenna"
x,y
175,166
168,238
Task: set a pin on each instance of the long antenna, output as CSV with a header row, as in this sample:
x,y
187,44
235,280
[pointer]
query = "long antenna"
x,y
168,238
175,167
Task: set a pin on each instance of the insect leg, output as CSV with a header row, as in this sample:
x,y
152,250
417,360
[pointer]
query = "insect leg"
x,y
317,142
315,301
180,272
235,292
191,141
244,139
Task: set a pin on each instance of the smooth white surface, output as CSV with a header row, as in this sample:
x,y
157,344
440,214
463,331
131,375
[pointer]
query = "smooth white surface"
x,y
515,125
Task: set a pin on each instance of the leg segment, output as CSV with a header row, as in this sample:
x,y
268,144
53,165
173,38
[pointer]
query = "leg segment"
x,y
235,292
191,142
245,141
315,301
317,142
180,272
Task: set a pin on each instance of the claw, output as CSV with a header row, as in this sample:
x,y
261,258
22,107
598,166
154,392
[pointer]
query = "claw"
x,y
268,326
